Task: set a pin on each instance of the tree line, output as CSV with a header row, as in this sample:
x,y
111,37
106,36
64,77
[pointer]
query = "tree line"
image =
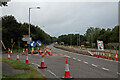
x,y
91,36
11,29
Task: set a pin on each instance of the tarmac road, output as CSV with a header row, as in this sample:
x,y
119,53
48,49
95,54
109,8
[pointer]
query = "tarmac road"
x,y
81,66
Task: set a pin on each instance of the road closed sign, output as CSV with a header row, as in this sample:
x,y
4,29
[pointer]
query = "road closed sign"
x,y
100,45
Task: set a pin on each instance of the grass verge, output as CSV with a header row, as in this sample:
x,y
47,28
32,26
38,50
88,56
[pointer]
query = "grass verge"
x,y
20,65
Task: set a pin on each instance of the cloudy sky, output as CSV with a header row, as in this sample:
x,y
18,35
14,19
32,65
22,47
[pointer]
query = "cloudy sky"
x,y
64,17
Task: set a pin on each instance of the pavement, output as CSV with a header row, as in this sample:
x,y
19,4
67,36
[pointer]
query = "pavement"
x,y
81,66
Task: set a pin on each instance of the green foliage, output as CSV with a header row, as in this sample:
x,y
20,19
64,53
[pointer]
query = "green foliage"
x,y
92,35
11,29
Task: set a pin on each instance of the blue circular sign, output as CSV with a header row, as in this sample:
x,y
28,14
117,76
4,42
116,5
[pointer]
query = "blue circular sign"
x,y
39,43
32,43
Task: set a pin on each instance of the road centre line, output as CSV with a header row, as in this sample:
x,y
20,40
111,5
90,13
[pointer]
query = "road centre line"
x,y
74,58
94,65
105,69
79,60
118,73
85,62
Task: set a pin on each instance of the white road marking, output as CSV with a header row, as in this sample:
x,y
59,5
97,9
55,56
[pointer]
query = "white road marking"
x,y
85,62
79,60
51,72
68,56
35,64
105,69
118,73
94,65
74,58
94,57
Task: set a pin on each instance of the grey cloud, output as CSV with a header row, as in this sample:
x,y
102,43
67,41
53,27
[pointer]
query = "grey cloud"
x,y
66,17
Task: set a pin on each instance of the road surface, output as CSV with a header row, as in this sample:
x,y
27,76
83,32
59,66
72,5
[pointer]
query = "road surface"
x,y
81,66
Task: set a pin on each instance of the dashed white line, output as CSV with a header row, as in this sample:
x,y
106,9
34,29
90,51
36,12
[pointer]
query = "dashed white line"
x,y
85,62
74,58
118,73
79,60
105,69
94,65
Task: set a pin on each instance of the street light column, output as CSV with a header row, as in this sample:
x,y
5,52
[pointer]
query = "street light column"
x,y
29,22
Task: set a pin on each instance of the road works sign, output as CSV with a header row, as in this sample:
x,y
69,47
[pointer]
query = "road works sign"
x,y
39,43
32,43
100,45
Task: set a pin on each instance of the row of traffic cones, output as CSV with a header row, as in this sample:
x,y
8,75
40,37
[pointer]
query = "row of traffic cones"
x,y
103,56
42,65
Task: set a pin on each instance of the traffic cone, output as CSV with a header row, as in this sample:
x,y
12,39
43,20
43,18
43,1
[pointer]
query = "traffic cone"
x,y
11,52
17,57
8,50
67,71
103,55
45,52
23,51
27,61
116,58
42,66
94,53
26,49
38,49
9,56
109,56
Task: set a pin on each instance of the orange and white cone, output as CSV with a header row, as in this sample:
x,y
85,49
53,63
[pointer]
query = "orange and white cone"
x,y
45,52
116,58
8,50
9,56
109,56
23,51
67,71
26,49
11,52
42,66
17,57
27,61
38,49
94,53
103,55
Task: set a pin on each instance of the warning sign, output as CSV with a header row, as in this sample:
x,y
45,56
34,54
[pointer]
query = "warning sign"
x,y
100,45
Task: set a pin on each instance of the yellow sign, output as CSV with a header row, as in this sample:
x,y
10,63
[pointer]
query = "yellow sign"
x,y
28,42
25,44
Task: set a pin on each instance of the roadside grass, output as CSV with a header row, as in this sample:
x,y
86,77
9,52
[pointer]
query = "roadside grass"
x,y
22,66
71,50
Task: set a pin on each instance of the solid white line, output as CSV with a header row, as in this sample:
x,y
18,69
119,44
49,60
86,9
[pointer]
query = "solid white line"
x,y
35,64
94,65
51,72
79,60
74,58
105,69
85,62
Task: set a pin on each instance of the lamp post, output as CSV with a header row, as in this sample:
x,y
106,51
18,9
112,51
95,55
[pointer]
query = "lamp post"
x,y
29,17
